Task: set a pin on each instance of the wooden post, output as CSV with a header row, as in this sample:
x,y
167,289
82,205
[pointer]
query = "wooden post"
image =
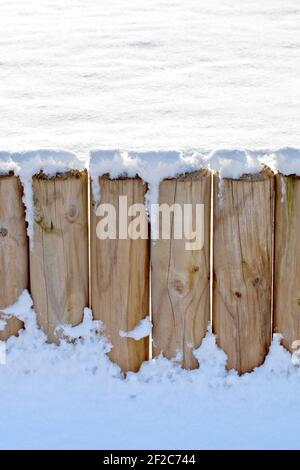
x,y
243,250
13,250
287,259
120,277
59,255
180,278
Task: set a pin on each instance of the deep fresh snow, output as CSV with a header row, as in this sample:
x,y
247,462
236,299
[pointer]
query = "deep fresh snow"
x,y
71,396
82,75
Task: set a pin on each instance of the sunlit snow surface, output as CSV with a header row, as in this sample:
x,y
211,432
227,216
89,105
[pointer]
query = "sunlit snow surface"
x,y
82,74
72,396
90,74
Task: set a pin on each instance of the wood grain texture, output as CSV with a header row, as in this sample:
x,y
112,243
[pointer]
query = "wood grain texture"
x,y
180,278
120,278
14,276
287,259
243,250
59,256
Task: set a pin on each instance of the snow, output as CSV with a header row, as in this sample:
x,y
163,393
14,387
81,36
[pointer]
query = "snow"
x,y
296,352
193,76
21,309
152,166
71,396
285,161
141,330
27,164
89,74
232,163
87,326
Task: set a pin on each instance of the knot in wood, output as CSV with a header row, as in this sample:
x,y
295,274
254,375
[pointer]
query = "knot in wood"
x,y
178,286
256,282
72,213
3,231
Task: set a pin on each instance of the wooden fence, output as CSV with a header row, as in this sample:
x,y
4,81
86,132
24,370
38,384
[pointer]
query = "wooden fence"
x,y
255,265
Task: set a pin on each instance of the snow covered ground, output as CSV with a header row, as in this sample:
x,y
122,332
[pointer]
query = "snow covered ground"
x,y
72,396
82,74
87,74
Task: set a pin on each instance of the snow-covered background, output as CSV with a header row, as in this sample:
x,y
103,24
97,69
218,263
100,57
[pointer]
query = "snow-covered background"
x,y
82,74
86,74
